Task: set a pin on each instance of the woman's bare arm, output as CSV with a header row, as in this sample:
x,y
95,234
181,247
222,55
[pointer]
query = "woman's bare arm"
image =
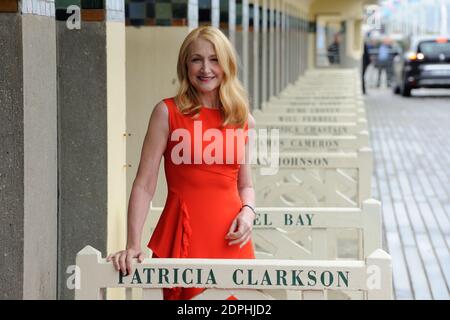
x,y
245,183
241,228
144,187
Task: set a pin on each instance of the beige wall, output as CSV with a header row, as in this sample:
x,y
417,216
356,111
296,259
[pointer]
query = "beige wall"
x,y
301,5
354,38
116,102
349,11
345,8
152,54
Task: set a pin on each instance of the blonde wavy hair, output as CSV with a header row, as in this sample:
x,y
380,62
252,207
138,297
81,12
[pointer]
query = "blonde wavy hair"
x,y
232,95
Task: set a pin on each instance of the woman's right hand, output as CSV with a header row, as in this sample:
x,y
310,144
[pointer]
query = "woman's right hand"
x,y
122,259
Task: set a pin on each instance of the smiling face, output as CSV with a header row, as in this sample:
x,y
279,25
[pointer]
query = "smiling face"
x,y
204,71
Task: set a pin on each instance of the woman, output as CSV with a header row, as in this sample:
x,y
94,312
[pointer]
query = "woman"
x,y
209,208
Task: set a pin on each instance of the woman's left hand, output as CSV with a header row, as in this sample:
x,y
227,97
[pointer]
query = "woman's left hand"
x,y
241,228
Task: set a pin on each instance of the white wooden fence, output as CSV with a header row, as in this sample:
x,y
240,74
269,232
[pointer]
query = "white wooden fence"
x,y
279,233
315,179
315,128
305,212
314,119
313,232
306,117
312,108
322,95
344,106
244,279
317,144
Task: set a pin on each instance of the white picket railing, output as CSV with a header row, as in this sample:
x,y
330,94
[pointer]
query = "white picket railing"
x,y
312,106
279,233
315,128
301,211
244,279
314,179
313,232
306,117
317,144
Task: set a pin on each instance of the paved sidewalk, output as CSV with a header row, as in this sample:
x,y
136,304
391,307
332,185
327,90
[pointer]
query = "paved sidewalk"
x,y
411,142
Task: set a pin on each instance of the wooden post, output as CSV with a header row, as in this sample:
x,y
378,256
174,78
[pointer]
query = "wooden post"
x,y
372,226
365,174
379,276
87,260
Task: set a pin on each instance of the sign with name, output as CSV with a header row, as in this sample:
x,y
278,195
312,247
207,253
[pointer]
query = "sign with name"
x,y
287,142
295,218
238,277
313,130
294,118
295,162
315,110
288,220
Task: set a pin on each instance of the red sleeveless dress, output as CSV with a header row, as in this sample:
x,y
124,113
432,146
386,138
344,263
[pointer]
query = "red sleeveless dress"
x,y
203,197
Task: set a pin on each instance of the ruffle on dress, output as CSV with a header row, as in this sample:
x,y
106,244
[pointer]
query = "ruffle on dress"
x,y
174,224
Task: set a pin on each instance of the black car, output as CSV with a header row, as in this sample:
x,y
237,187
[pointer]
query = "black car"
x,y
425,65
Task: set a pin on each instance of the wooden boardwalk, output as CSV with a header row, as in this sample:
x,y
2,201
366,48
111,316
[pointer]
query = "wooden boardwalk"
x,y
411,143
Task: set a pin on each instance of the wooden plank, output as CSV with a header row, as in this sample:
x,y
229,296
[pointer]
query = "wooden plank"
x,y
319,243
417,274
128,294
280,245
379,278
442,218
437,233
430,263
314,295
414,264
226,274
402,284
152,294
436,280
311,128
